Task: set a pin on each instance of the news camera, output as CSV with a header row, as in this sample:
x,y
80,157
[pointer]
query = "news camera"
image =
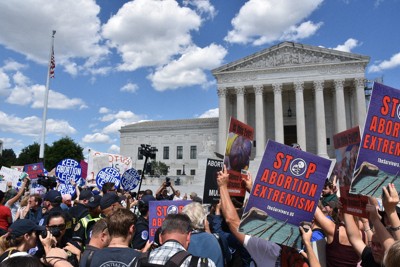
x,y
48,182
148,151
167,181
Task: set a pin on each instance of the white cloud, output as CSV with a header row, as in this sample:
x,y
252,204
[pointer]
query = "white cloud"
x,y
34,95
202,6
129,87
393,62
12,65
113,149
150,32
103,110
32,126
260,21
210,113
125,115
77,25
96,138
119,119
11,143
4,83
189,69
348,45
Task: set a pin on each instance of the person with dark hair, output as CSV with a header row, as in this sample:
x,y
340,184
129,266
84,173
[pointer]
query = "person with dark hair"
x,y
21,237
100,238
108,187
5,215
175,237
142,225
121,226
109,203
26,261
35,208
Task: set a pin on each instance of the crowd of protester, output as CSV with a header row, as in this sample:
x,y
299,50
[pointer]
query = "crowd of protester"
x,y
110,227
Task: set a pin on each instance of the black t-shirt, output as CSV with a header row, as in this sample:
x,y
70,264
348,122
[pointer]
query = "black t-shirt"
x,y
367,260
141,233
115,257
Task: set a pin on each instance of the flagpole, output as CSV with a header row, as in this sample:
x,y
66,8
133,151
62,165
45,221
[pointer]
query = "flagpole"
x,y
46,97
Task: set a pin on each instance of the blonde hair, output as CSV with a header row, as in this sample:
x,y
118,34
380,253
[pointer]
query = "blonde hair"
x,y
196,214
392,255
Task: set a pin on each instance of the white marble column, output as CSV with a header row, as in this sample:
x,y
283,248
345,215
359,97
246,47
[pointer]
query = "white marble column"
x,y
340,106
300,115
222,121
320,119
260,127
360,97
279,132
240,110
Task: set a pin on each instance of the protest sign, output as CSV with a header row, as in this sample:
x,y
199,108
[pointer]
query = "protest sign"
x,y
237,155
158,210
68,169
130,179
378,161
99,160
108,175
67,188
11,175
211,193
346,145
285,193
34,169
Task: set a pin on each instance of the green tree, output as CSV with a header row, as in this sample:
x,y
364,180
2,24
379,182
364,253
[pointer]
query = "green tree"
x,y
8,158
62,149
30,154
159,168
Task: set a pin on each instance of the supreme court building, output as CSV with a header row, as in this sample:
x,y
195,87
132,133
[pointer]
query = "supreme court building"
x,y
290,93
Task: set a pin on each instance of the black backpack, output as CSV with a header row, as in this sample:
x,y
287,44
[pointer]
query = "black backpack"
x,y
175,261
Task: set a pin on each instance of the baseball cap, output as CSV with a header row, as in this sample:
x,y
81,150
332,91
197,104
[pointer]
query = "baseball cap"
x,y
24,226
53,196
85,194
108,199
146,199
94,201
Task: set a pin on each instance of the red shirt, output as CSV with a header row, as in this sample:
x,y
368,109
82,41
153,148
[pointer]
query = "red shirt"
x,y
5,217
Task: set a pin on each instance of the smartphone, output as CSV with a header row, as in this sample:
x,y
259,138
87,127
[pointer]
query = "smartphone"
x,y
306,226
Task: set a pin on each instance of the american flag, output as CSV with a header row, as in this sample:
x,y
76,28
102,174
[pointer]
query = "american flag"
x,y
52,64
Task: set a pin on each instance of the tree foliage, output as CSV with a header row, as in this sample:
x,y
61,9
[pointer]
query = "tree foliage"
x,y
8,158
59,150
159,168
62,149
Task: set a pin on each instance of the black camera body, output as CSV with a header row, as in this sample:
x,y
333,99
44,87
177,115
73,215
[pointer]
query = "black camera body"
x,y
168,181
54,231
47,181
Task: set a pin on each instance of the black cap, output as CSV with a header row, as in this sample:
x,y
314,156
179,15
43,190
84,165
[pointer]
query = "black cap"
x,y
146,199
108,199
24,226
94,201
85,194
53,196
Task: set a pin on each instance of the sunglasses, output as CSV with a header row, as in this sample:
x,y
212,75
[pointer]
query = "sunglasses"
x,y
60,226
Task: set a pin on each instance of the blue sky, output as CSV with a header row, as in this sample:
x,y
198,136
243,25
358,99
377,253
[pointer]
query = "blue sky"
x,y
121,62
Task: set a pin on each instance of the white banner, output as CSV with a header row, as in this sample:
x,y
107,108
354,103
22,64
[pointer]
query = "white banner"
x,y
99,160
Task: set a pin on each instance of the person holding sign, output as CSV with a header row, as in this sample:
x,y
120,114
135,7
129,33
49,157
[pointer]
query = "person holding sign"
x,y
263,252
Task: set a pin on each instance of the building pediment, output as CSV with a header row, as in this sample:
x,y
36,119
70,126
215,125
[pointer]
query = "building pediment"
x,y
290,54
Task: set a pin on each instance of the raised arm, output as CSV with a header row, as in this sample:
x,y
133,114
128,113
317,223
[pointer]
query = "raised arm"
x,y
353,233
21,191
306,236
327,225
384,236
390,199
227,207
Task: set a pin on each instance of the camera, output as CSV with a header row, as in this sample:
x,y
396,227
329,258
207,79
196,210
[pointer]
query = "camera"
x,y
56,232
168,181
47,181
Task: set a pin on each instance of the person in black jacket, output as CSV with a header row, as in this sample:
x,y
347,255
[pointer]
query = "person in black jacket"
x,y
142,225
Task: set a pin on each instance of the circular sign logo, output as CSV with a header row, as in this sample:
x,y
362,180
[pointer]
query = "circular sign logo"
x,y
108,175
68,169
298,167
172,210
130,179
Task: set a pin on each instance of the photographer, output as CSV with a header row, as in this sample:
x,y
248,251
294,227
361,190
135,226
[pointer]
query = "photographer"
x,y
21,237
162,192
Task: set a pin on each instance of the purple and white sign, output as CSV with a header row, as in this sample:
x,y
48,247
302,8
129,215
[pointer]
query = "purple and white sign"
x,y
286,191
130,179
68,169
108,175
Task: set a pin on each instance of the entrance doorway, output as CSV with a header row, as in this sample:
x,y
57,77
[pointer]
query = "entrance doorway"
x,y
290,134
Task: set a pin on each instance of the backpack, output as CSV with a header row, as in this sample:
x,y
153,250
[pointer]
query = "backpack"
x,y
175,261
